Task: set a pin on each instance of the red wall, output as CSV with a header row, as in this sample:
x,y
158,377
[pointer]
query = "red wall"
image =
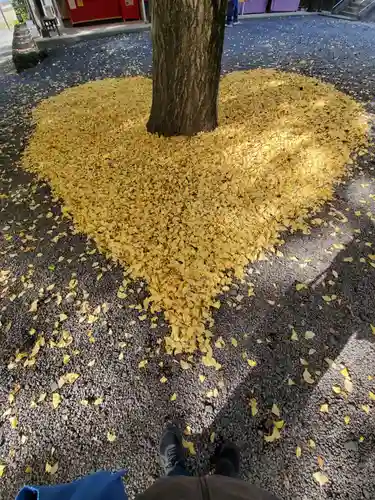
x,y
92,10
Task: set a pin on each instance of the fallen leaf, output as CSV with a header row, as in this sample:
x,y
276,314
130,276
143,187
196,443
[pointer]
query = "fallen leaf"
x,y
309,335
173,397
344,372
56,399
320,461
184,365
253,406
2,469
371,395
279,424
52,469
28,469
34,306
347,419
294,335
163,380
274,436
220,343
372,329
234,342
336,389
98,401
312,444
324,408
251,363
111,436
348,385
212,437
298,451
202,378
366,408
189,446
42,397
307,377
301,286
13,422
275,410
142,363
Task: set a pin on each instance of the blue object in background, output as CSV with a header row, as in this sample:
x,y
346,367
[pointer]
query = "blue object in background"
x,y
101,485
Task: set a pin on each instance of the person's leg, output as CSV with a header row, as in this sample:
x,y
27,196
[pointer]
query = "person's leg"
x,y
227,460
172,457
235,12
230,12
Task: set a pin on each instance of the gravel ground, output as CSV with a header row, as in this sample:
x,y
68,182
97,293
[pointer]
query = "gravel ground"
x,y
104,345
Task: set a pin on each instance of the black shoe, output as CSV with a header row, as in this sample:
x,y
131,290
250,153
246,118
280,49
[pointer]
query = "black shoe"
x,y
171,449
227,460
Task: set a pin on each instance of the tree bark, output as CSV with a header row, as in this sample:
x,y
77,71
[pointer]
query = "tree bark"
x,y
187,38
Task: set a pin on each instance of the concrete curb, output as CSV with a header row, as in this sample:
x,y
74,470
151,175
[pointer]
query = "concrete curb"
x,y
50,43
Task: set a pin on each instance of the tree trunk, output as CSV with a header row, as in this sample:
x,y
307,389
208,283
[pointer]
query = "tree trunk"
x,y
187,38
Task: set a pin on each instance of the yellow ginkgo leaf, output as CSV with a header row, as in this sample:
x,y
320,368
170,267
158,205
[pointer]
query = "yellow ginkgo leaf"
x,y
336,389
294,335
371,395
34,306
56,399
309,335
307,377
347,419
184,365
13,422
142,363
220,343
298,451
202,378
348,385
173,397
324,408
253,406
251,363
320,478
279,424
344,372
312,444
189,446
111,436
372,329
301,286
274,436
366,408
234,342
28,469
2,469
275,410
163,380
52,469
42,397
98,401
212,437
71,377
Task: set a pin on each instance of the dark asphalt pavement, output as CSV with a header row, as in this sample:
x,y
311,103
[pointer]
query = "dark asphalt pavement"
x,y
336,261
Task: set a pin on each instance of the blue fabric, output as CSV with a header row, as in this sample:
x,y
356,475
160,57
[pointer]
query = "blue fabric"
x,y
102,485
